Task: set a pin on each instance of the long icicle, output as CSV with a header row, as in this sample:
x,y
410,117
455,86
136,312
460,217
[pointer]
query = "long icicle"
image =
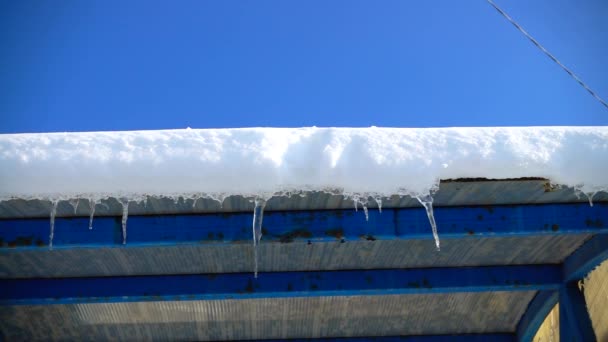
x,y
53,213
125,215
92,204
366,212
258,217
427,203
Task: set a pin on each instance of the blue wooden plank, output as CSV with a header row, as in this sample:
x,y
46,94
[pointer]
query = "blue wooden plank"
x,y
279,284
574,320
420,338
309,226
586,258
537,311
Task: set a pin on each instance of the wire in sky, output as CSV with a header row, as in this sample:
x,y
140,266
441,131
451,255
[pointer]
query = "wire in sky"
x,y
535,42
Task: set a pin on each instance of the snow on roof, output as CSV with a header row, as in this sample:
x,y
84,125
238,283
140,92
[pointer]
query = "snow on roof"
x,y
264,161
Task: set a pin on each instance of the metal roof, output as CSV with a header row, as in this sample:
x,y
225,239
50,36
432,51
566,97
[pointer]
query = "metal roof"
x,y
510,250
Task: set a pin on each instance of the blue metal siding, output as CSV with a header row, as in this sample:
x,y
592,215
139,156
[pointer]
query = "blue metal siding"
x,y
313,226
279,284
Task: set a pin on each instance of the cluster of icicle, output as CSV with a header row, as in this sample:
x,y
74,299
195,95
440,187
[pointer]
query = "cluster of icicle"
x,y
426,200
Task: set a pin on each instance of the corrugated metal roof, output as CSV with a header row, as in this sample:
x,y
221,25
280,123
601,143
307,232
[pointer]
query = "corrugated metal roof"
x,y
311,316
225,258
270,318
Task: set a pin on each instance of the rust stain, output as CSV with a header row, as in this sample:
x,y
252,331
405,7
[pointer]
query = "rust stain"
x,y
249,287
597,223
338,233
294,234
21,241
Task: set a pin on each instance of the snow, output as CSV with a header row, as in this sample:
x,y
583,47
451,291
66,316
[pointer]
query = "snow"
x,y
260,162
360,163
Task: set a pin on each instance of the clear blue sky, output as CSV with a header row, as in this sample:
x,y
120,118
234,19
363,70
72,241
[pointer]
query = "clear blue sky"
x,y
120,65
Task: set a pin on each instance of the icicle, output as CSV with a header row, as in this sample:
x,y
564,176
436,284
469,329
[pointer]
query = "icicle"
x,y
53,213
379,202
74,203
125,215
258,217
427,203
194,202
356,201
103,205
92,204
366,212
590,197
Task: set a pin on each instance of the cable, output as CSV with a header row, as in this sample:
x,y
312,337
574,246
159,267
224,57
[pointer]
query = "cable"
x,y
535,42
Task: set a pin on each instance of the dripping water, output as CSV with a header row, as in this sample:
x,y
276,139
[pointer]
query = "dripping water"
x,y
258,217
427,203
366,212
125,215
53,213
92,204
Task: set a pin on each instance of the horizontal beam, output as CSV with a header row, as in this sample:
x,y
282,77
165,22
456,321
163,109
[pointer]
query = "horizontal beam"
x,y
586,258
420,338
279,284
309,226
537,311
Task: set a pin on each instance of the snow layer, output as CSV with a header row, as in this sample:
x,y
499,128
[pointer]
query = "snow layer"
x,y
265,161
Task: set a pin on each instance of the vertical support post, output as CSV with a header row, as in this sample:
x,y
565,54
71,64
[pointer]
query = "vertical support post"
x,y
574,320
537,311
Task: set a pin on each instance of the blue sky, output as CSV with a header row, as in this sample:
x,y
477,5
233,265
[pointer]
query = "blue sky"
x,y
122,65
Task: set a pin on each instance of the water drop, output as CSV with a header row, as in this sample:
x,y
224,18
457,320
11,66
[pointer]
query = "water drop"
x,y
366,212
53,213
427,203
258,217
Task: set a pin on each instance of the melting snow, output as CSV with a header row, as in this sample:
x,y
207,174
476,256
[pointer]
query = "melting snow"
x,y
264,161
359,163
